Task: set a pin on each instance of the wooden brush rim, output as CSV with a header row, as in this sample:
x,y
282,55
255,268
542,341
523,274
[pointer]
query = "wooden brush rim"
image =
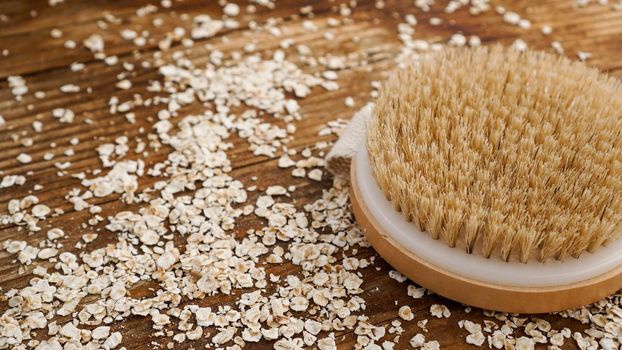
x,y
474,292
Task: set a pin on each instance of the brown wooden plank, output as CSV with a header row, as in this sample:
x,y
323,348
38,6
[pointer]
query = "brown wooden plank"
x,y
44,64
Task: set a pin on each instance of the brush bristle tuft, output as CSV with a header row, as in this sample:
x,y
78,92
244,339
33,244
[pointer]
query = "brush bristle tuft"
x,y
517,153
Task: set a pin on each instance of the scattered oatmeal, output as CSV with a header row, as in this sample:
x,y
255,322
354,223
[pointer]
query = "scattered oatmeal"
x,y
24,158
176,221
416,292
95,43
315,174
124,84
18,86
231,9
12,180
63,115
583,56
349,102
406,313
475,337
440,311
397,276
417,341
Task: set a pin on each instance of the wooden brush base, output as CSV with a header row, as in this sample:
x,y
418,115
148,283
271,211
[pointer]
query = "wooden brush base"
x,y
473,292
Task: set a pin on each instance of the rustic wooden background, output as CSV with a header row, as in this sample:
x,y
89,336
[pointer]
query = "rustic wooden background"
x,y
44,62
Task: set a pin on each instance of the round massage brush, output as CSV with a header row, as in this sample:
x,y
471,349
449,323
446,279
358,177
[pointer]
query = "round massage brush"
x,y
494,177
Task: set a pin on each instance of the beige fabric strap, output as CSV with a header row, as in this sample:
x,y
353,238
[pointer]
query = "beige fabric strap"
x,y
339,157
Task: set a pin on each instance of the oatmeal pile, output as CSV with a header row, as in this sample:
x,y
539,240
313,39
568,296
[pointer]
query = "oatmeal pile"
x,y
175,217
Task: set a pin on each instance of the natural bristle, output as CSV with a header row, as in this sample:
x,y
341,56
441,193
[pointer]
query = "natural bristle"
x,y
517,153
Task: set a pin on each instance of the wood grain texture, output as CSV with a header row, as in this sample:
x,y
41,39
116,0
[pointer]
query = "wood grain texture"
x,y
43,62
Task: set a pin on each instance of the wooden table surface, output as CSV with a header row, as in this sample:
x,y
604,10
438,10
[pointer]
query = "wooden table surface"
x,y
43,62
